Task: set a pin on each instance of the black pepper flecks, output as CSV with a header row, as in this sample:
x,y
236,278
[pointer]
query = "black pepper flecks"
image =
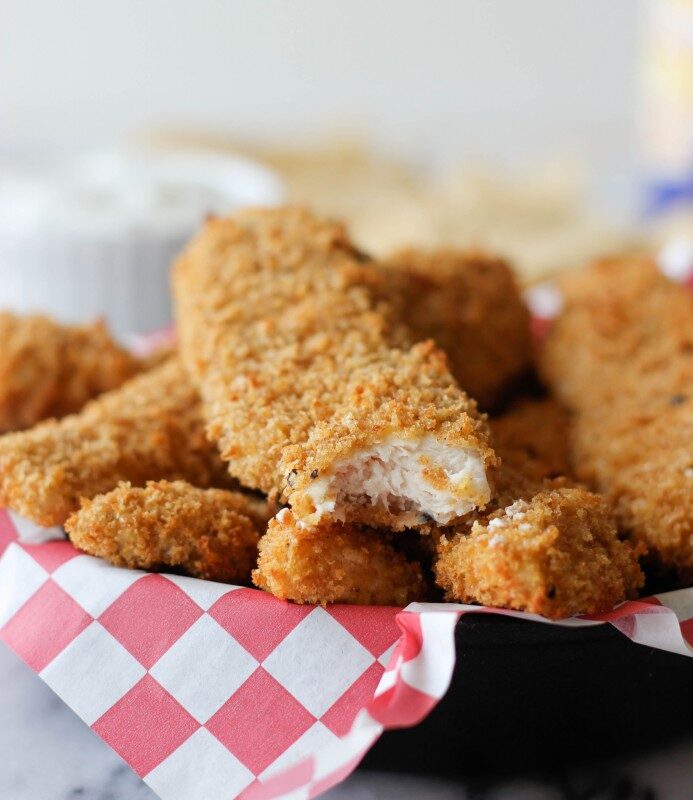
x,y
314,474
677,399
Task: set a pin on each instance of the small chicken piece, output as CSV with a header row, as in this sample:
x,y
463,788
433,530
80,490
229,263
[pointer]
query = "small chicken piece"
x,y
205,533
312,383
469,303
50,370
151,428
557,555
334,563
534,432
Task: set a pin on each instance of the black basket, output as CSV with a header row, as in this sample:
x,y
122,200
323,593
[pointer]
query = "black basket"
x,y
527,696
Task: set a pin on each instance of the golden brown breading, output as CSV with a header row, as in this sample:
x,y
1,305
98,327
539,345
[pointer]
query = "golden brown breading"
x,y
620,356
207,533
151,428
334,563
50,370
310,386
469,303
534,433
556,555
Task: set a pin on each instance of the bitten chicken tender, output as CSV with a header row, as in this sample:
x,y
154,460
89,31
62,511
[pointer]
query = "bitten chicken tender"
x,y
620,357
151,428
470,304
206,533
555,555
310,383
334,563
50,370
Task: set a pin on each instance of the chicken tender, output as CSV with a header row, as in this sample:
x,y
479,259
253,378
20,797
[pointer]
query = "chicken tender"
x,y
555,555
50,370
310,383
620,357
206,533
334,563
470,304
151,428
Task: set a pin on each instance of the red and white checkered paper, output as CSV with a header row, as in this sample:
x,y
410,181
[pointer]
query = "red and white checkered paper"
x,y
214,691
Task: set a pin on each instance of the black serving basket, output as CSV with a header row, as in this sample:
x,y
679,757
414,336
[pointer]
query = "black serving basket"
x,y
527,696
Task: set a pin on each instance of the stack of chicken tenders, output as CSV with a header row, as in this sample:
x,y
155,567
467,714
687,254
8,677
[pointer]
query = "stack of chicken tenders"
x,y
335,429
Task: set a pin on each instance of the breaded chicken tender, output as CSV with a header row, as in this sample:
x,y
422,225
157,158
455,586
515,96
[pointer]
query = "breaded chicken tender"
x,y
556,555
470,304
151,428
310,383
620,357
50,370
334,563
206,533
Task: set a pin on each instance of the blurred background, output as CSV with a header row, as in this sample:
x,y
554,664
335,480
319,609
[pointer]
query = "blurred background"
x,y
549,131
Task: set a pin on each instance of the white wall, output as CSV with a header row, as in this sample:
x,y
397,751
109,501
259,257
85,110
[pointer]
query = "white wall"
x,y
494,77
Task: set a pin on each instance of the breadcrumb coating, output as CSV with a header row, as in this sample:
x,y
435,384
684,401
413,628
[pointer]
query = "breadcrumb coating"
x,y
151,428
310,383
620,357
206,533
334,563
469,303
556,555
50,370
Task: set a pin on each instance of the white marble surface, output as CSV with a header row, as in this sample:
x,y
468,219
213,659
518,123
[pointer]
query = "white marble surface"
x,y
47,753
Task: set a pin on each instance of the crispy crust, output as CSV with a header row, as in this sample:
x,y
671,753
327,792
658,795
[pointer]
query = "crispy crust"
x,y
301,362
334,563
50,370
207,533
469,303
620,357
556,555
149,429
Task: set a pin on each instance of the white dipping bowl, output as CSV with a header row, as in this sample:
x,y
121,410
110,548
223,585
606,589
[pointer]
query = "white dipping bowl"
x,y
96,237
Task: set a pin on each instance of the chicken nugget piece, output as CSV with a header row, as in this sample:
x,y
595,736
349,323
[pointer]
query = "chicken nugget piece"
x,y
206,533
151,428
533,434
334,563
310,383
50,370
620,357
470,304
556,555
